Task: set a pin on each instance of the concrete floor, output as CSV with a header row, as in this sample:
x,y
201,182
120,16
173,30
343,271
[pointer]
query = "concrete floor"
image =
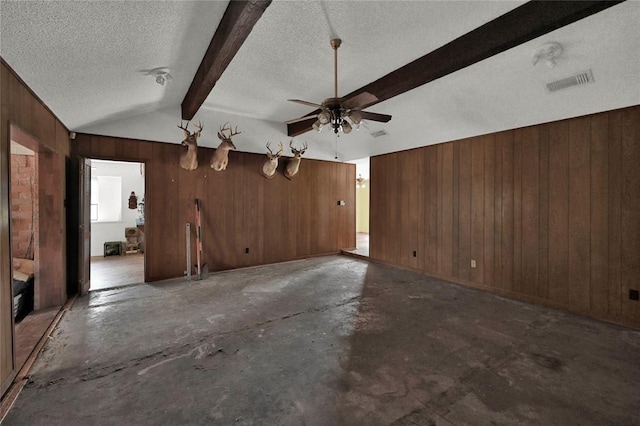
x,y
330,340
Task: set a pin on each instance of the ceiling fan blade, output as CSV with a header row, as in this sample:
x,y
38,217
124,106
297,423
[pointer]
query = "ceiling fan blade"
x,y
306,117
384,118
311,104
358,101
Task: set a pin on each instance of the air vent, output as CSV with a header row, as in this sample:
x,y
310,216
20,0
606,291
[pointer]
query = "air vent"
x,y
379,133
575,80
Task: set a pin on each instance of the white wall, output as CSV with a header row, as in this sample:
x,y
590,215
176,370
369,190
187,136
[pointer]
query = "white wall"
x,y
132,180
362,208
362,195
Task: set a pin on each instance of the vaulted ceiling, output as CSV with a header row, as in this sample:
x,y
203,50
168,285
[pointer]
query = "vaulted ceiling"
x,y
88,61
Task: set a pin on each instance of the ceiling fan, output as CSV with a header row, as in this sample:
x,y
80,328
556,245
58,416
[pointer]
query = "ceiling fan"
x,y
341,113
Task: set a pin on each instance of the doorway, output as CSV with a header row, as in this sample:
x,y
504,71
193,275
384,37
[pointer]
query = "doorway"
x,y
362,207
37,293
116,213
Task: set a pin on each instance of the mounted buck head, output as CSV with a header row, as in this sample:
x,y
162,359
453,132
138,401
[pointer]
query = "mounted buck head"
x,y
269,167
189,159
221,156
294,164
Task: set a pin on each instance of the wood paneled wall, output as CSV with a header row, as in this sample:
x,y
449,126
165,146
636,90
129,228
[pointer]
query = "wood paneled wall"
x,y
21,107
549,213
276,219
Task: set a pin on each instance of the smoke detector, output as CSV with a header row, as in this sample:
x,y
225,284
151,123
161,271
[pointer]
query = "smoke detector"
x,y
161,75
548,53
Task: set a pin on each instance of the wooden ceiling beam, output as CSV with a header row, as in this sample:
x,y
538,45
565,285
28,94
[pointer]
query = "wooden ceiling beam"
x,y
234,28
526,22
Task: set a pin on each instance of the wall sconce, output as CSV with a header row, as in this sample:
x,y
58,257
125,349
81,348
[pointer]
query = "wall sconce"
x,y
360,182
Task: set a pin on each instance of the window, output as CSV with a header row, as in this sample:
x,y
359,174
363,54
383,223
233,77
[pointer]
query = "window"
x,y
94,199
106,199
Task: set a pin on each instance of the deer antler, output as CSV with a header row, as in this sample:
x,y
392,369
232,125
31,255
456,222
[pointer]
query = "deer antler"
x,y
232,133
200,126
277,154
183,128
295,150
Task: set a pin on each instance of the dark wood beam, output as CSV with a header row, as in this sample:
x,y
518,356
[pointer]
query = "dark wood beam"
x,y
518,26
233,30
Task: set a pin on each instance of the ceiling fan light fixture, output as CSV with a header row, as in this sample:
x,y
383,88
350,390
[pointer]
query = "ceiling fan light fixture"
x,y
346,127
355,117
323,118
317,125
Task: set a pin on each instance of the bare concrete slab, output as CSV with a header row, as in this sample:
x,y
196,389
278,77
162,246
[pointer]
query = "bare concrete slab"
x,y
324,341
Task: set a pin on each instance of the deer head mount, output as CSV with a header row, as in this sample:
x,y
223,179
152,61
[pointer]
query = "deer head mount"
x,y
189,159
271,165
221,156
294,164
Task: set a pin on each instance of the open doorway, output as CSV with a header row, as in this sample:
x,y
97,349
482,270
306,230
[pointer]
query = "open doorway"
x,y
35,216
117,224
362,207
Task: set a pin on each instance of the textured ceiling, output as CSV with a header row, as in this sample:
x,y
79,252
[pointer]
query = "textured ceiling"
x,y
84,59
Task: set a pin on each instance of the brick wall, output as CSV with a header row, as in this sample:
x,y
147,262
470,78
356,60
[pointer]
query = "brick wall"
x,y
23,204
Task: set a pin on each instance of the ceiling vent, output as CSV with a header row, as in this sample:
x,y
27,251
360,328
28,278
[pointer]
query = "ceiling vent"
x,y
575,80
379,133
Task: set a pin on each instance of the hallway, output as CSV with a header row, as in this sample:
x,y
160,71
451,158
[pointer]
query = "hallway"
x,y
328,340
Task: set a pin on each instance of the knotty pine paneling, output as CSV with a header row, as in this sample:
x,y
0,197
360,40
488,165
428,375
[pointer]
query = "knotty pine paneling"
x,y
20,107
276,219
550,213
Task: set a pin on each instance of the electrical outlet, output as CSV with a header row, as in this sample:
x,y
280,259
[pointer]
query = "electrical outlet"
x,y
473,263
246,250
634,295
342,203
415,253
